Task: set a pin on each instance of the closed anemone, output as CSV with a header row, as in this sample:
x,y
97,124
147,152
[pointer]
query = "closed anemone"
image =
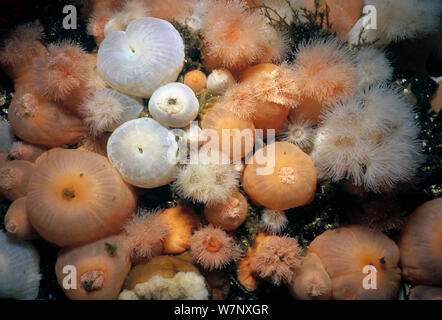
x,y
25,151
105,110
149,54
14,178
101,267
196,80
229,214
144,152
19,268
280,176
219,81
421,243
77,196
348,251
17,221
174,105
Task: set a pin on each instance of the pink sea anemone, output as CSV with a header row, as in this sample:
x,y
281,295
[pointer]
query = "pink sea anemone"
x,y
239,99
326,73
212,248
96,24
25,151
235,37
145,233
277,259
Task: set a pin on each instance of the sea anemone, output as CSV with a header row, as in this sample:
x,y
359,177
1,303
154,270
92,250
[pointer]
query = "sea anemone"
x,y
273,221
383,215
420,244
298,132
181,220
212,248
14,178
425,293
206,183
76,196
144,152
145,233
311,281
231,131
148,55
239,100
373,67
105,110
369,140
219,81
345,253
196,80
21,47
96,144
174,105
129,11
326,73
234,36
277,259
25,151
228,215
62,75
17,221
171,10
165,278
97,22
20,272
39,121
399,19
101,268
280,176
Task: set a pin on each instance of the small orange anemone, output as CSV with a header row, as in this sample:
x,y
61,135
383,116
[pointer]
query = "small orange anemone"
x,y
240,132
311,281
228,215
14,178
17,221
196,80
421,243
77,196
25,151
349,254
181,220
39,121
280,176
101,268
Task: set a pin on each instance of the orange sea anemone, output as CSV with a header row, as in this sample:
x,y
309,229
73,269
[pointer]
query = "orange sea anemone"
x,y
285,180
63,74
100,266
235,37
212,248
170,10
240,132
145,233
17,221
21,47
325,73
421,243
195,80
181,220
25,151
311,281
38,121
228,215
277,259
76,196
14,178
349,255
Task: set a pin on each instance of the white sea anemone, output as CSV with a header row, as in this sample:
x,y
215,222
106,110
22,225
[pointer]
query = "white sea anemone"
x,y
207,182
174,105
273,221
149,54
144,152
370,140
105,110
19,268
219,81
399,19
373,67
298,132
6,136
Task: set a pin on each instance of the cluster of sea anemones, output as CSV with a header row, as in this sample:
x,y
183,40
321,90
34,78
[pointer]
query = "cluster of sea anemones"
x,y
241,124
